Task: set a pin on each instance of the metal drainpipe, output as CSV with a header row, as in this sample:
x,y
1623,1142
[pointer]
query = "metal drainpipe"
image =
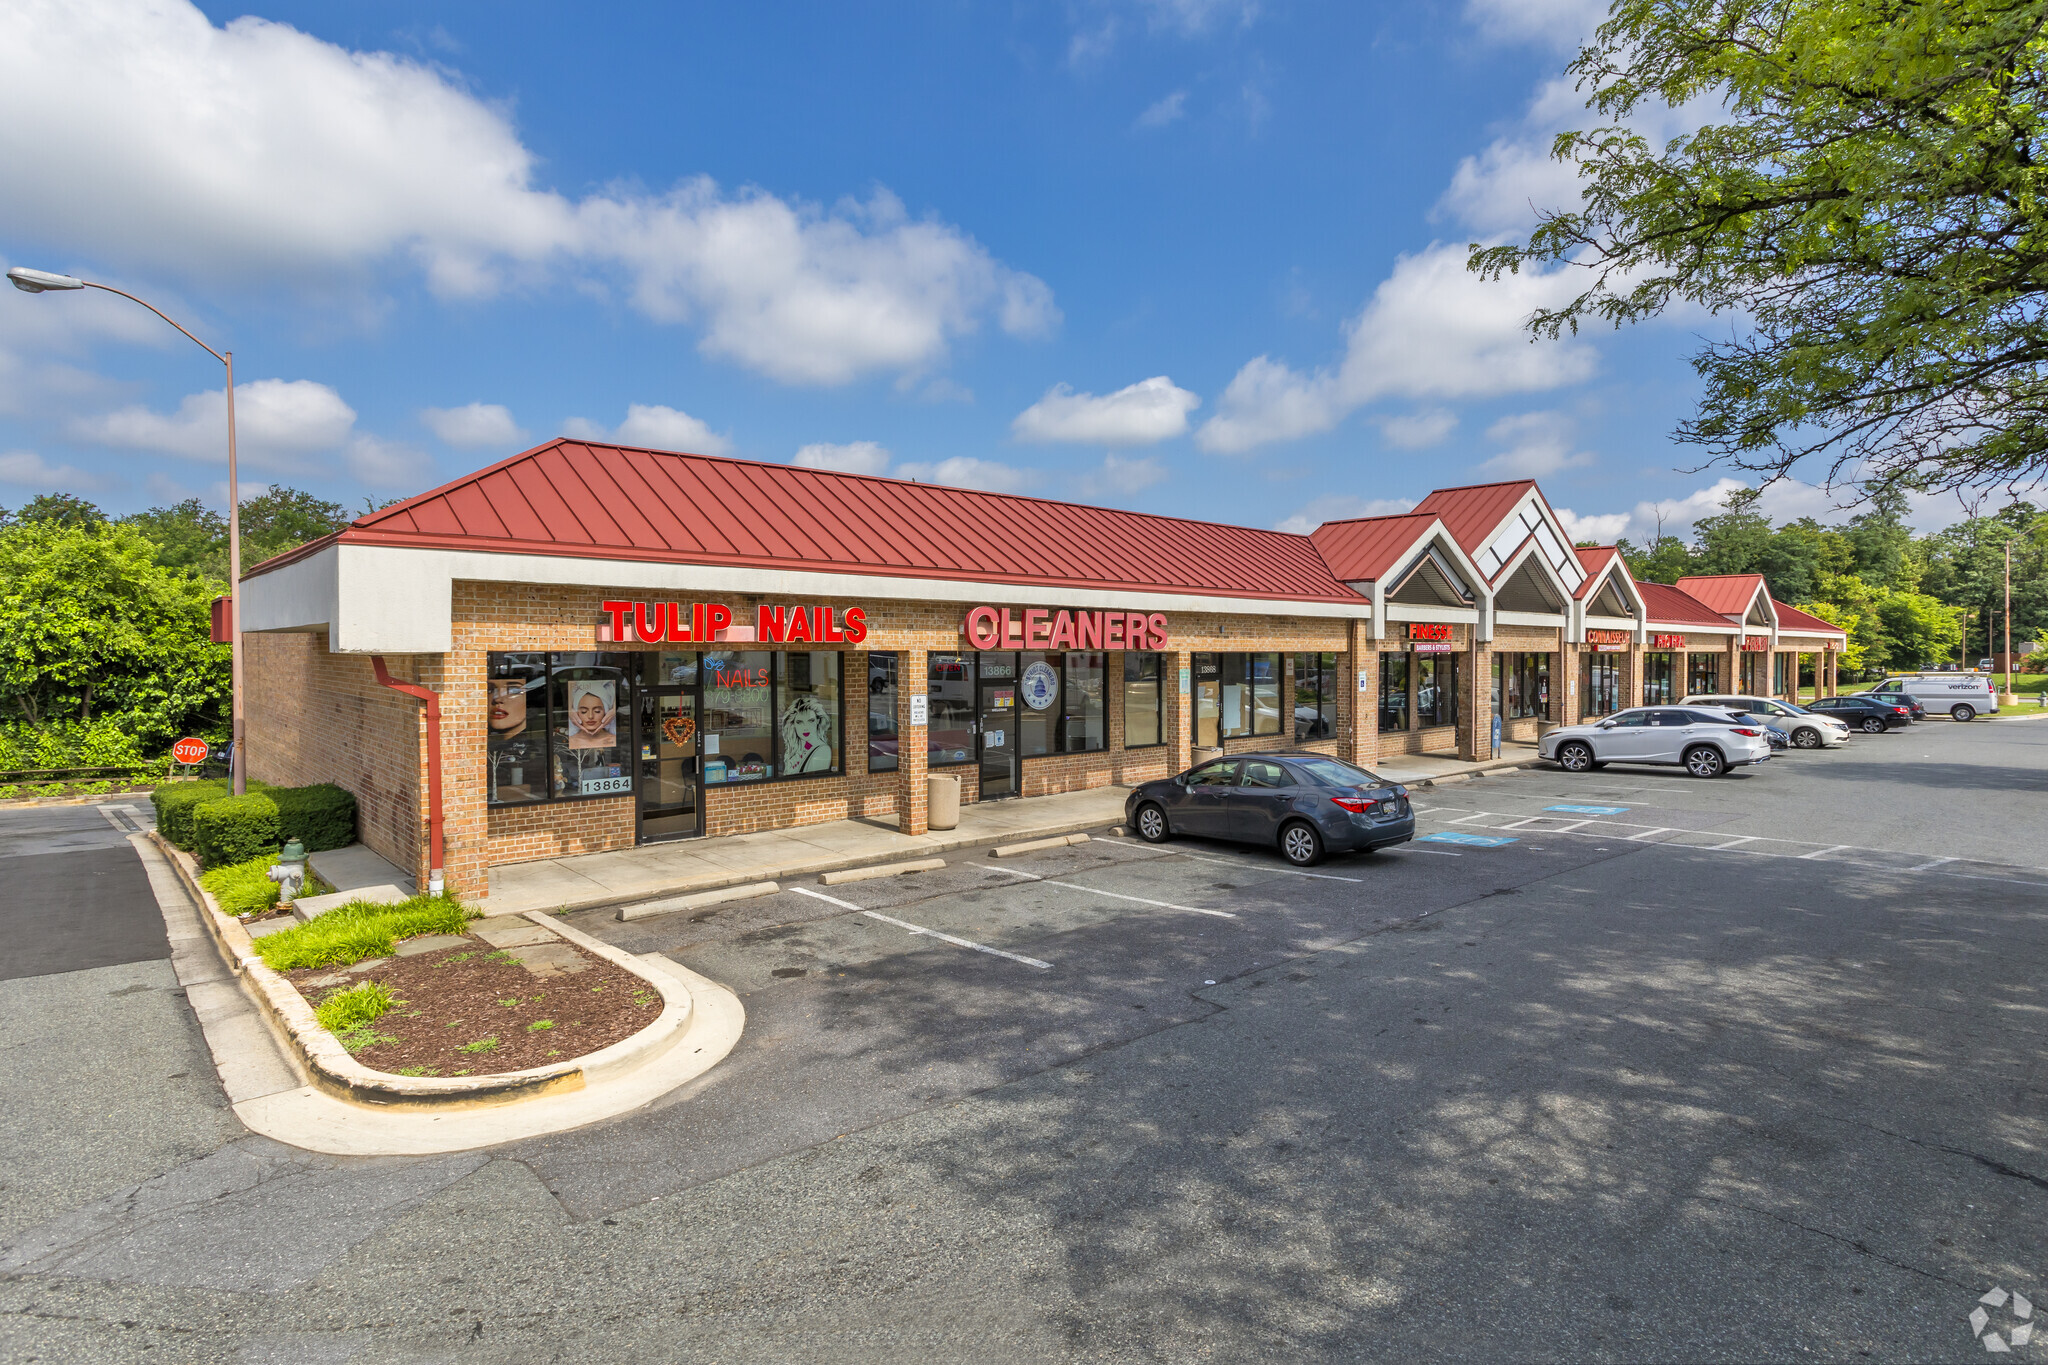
x,y
435,882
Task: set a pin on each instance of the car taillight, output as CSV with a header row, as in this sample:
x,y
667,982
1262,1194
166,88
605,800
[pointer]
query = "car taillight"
x,y
1745,730
1357,805
1899,710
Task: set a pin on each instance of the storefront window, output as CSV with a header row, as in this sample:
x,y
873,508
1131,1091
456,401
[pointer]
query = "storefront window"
x,y
1602,683
1436,690
949,734
882,713
807,715
739,716
1528,685
1143,702
1264,671
1249,694
1702,675
590,696
518,758
1207,670
1315,696
1038,710
1393,692
1084,723
1657,680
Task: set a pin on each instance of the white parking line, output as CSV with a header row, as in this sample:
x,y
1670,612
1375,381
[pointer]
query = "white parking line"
x,y
1254,867
1936,863
1819,852
920,929
1638,838
1115,895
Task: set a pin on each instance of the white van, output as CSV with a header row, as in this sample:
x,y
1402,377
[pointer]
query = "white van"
x,y
1963,695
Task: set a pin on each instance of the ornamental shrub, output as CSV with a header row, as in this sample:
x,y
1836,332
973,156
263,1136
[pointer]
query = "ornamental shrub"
x,y
319,817
245,888
176,801
234,829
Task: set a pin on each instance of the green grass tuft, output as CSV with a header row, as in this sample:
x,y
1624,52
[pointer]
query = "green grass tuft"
x,y
359,930
539,1024
357,1005
243,888
480,1045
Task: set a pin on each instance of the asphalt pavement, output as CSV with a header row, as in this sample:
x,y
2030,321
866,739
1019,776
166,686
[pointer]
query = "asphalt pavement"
x,y
1739,1069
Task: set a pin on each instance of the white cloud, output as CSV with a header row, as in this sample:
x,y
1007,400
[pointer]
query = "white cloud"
x,y
655,427
1139,414
1418,430
1191,17
855,457
1341,507
1165,111
136,130
386,464
966,472
1784,501
473,426
1431,330
1563,25
1539,445
278,423
1601,530
30,470
1120,476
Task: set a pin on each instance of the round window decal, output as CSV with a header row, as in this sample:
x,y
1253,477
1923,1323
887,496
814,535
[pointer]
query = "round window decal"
x,y
1041,685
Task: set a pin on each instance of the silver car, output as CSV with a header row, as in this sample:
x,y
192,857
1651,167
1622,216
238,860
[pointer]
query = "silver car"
x,y
1809,729
1706,742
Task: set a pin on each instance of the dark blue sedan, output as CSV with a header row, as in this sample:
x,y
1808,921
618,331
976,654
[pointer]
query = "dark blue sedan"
x,y
1306,805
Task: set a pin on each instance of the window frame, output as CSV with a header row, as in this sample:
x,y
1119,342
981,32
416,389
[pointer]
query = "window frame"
x,y
1158,697
892,663
1394,659
1069,691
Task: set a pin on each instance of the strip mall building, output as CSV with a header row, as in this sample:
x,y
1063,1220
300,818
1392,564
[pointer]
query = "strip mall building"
x,y
588,647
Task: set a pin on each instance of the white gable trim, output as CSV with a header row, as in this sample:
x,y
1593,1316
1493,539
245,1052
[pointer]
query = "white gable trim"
x,y
1530,521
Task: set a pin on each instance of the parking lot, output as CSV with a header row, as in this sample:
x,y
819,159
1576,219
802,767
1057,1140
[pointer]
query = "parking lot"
x,y
1732,1069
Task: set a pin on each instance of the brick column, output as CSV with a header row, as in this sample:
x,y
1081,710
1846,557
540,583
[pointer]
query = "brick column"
x,y
913,678
1358,742
1475,722
1180,720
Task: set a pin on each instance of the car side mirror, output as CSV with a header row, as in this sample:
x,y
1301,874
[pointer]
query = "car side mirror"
x,y
1607,724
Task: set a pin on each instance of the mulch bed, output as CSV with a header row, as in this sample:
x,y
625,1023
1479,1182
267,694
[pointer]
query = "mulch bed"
x,y
460,998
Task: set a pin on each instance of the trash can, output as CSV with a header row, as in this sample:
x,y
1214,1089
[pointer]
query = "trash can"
x,y
942,801
1201,754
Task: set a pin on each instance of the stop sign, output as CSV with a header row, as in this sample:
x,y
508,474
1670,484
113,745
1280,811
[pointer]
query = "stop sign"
x,y
190,750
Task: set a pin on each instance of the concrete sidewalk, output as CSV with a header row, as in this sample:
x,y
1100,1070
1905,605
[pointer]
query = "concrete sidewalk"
x,y
590,880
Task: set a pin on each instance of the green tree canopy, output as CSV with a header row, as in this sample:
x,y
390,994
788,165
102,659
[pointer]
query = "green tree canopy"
x,y
1868,197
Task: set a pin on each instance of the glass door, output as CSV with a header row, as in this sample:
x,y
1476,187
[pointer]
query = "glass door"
x,y
998,706
670,802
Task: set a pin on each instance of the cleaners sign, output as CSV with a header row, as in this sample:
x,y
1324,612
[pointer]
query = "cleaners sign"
x,y
1040,628
710,622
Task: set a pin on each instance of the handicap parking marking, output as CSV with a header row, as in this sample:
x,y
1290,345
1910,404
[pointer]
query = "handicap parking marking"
x,y
1475,840
1592,810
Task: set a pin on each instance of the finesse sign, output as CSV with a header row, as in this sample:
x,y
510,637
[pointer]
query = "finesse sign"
x,y
1041,628
674,623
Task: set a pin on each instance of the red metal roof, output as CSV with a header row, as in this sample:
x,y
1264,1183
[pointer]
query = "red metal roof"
x,y
1593,559
1472,514
1728,593
1365,548
617,502
1669,606
1798,622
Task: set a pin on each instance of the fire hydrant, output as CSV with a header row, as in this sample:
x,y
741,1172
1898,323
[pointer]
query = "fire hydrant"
x,y
289,872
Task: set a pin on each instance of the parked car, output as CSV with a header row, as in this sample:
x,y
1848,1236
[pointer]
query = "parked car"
x,y
1808,730
1913,706
1870,716
1965,696
1306,805
1706,742
1780,739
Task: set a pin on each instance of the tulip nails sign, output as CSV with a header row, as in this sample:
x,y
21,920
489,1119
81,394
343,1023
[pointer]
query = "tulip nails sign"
x,y
1040,628
674,623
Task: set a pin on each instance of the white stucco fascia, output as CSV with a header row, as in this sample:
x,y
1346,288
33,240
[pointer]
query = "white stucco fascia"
x,y
376,599
1549,620
1401,611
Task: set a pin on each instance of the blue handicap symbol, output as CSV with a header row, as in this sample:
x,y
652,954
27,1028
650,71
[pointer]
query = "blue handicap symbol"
x,y
1591,810
1477,840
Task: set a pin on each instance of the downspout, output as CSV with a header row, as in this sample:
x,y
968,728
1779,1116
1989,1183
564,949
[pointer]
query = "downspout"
x,y
435,881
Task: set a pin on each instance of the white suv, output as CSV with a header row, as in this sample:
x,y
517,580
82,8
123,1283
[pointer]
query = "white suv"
x,y
1965,696
1809,729
1706,742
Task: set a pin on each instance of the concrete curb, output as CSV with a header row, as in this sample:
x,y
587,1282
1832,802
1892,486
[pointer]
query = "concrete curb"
x,y
1499,765
804,868
675,904
868,874
1033,846
332,1070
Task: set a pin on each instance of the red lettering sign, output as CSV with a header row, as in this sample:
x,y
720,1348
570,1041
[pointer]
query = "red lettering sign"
x,y
1607,637
1424,630
672,623
1054,630
1668,641
1755,644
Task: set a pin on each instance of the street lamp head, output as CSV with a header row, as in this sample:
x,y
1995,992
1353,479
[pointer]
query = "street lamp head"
x,y
38,281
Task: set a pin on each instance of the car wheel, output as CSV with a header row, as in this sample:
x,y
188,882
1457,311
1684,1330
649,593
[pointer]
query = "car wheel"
x,y
1806,737
1872,725
1963,713
1152,824
1575,757
1705,761
1301,845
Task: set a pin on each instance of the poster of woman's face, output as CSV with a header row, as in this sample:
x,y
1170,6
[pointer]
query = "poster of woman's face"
x,y
508,707
593,714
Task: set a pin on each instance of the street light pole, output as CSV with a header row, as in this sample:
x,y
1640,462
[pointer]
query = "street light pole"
x,y
43,282
2010,698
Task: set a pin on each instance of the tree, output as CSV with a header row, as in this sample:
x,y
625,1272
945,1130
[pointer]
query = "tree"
x,y
1733,541
1882,542
57,509
285,518
188,536
1869,198
1665,561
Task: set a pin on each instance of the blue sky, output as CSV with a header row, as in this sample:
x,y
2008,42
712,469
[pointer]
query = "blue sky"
x,y
1200,257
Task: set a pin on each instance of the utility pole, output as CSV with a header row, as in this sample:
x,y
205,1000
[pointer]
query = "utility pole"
x,y
2009,697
